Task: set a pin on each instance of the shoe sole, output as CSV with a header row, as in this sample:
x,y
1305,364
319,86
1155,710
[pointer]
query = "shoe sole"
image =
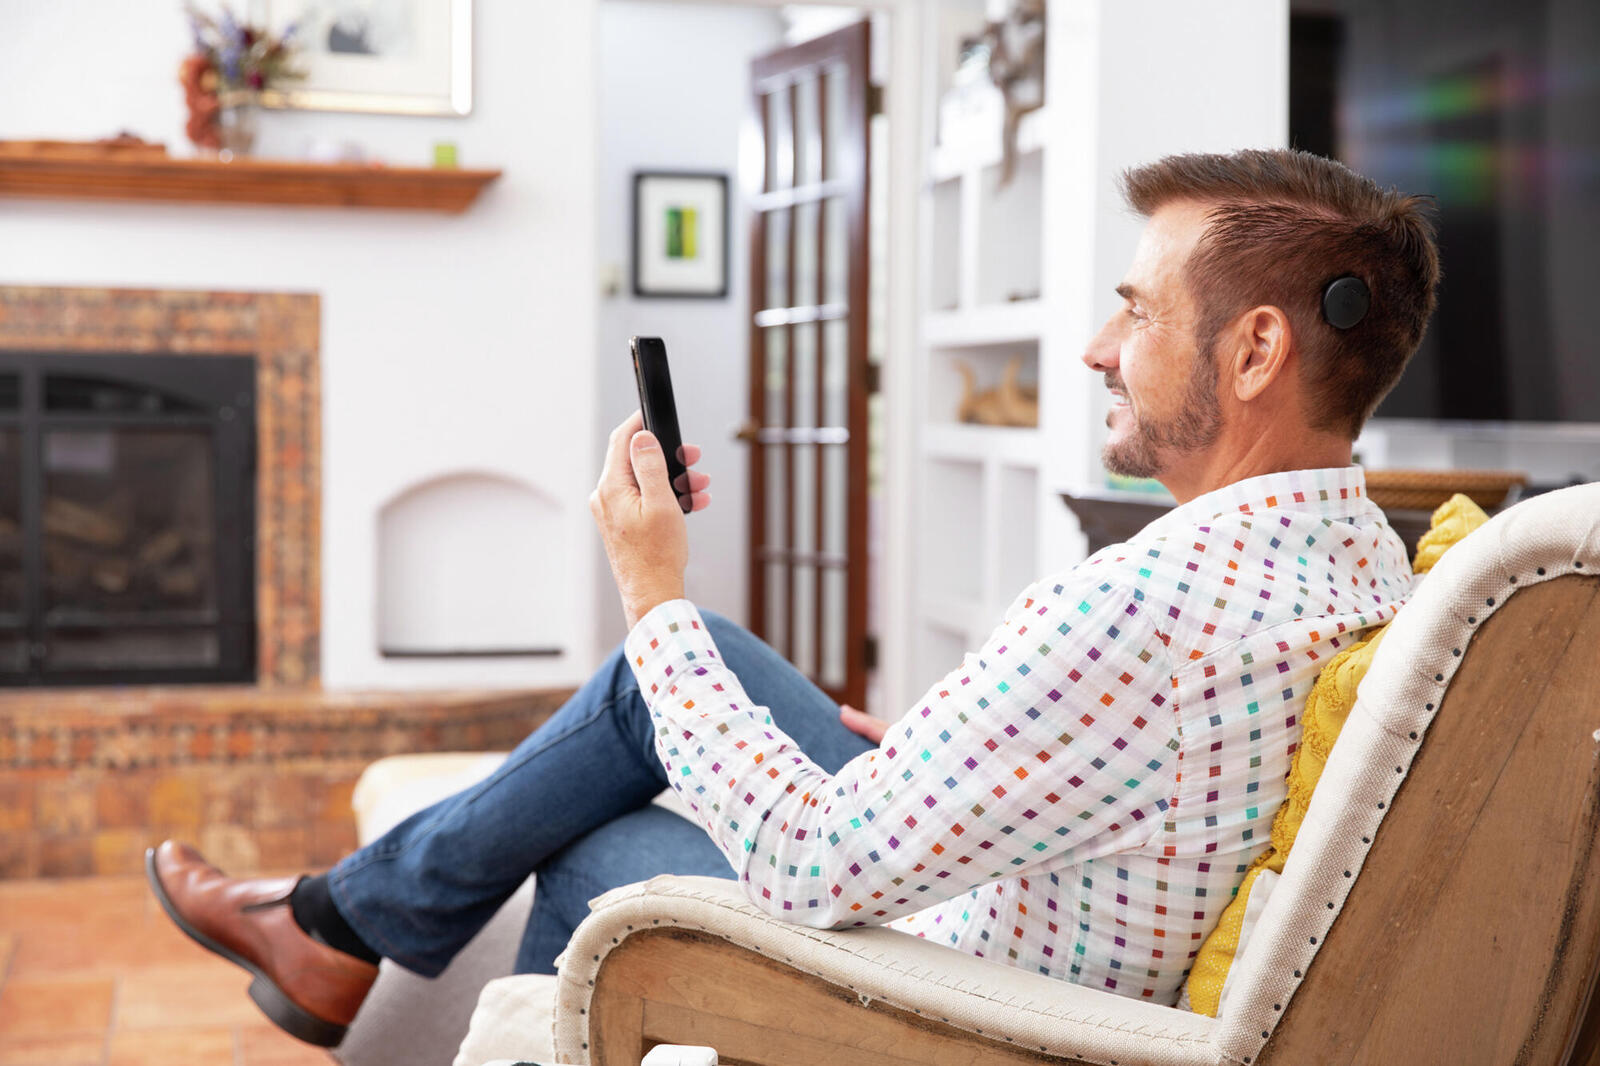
x,y
278,1007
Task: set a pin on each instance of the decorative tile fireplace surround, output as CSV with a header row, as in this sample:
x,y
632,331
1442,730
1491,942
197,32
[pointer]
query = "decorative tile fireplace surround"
x,y
260,776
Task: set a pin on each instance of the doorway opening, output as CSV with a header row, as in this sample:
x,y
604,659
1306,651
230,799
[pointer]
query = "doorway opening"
x,y
777,379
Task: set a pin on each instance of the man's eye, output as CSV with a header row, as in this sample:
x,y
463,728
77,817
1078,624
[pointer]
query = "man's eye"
x,y
1132,312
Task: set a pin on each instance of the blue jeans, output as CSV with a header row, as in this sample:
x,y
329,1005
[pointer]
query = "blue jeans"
x,y
572,805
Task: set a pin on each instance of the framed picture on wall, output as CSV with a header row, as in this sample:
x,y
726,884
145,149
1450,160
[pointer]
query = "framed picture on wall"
x,y
680,234
403,57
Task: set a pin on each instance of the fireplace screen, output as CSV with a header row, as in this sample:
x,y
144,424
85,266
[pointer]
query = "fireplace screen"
x,y
127,536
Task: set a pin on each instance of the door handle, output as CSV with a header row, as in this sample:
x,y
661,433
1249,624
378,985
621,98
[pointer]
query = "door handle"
x,y
748,431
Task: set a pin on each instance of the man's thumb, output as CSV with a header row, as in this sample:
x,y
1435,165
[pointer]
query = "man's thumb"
x,y
650,467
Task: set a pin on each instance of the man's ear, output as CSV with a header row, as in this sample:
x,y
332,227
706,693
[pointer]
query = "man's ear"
x,y
1261,351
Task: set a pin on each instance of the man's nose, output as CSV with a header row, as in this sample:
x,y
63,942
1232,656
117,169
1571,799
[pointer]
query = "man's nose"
x,y
1103,351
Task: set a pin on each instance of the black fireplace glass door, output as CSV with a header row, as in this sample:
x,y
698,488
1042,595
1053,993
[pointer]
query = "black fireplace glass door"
x,y
129,554
127,518
13,621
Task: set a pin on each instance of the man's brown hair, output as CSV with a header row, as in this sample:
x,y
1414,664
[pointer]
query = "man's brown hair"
x,y
1284,223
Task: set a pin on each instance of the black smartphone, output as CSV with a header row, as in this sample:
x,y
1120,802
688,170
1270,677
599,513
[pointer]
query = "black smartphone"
x,y
655,400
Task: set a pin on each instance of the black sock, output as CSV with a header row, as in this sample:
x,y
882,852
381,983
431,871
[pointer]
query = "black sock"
x,y
315,913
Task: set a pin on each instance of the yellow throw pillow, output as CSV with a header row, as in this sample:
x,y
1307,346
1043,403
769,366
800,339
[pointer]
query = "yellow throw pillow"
x,y
1327,707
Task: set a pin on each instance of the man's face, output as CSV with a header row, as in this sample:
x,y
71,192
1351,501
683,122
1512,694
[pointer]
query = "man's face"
x,y
1163,385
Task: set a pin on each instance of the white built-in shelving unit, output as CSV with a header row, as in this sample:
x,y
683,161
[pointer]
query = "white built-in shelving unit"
x,y
980,484
1027,270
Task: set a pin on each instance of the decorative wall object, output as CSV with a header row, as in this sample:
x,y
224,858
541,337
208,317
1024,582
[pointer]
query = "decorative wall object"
x,y
680,234
1016,63
410,57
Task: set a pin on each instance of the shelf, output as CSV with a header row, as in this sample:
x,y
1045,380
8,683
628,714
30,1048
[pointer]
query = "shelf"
x,y
948,161
1009,323
1012,445
242,181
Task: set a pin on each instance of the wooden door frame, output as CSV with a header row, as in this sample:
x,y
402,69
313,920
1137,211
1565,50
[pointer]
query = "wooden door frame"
x,y
910,129
843,163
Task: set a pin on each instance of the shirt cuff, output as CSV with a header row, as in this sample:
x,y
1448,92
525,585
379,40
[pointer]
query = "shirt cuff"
x,y
661,642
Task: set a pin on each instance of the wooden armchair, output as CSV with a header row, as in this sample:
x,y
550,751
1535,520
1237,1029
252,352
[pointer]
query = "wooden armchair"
x,y
1464,791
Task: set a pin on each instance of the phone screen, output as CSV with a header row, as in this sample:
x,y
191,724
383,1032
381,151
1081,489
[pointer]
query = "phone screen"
x,y
655,401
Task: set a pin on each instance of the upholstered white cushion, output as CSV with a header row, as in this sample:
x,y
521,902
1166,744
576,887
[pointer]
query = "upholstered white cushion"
x,y
394,788
514,1020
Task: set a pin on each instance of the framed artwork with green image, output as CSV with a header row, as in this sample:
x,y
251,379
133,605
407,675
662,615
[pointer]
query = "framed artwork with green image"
x,y
680,234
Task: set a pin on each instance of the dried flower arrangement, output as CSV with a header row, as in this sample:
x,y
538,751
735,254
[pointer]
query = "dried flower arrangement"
x,y
231,62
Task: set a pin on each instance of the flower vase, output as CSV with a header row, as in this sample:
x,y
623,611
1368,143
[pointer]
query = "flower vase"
x,y
237,123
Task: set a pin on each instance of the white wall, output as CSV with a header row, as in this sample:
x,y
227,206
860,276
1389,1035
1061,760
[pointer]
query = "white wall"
x,y
674,92
449,343
1131,81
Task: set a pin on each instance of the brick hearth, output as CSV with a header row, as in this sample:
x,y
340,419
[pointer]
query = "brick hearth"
x,y
259,778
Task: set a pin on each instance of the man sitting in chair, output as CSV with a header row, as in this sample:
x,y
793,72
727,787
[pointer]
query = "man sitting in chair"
x,y
1082,795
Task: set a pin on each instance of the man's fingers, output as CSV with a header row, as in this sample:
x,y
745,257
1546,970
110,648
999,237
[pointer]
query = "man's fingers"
x,y
689,453
691,481
650,468
699,501
618,471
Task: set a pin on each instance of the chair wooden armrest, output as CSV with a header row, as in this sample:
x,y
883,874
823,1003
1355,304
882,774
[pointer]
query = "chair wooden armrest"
x,y
689,955
1472,934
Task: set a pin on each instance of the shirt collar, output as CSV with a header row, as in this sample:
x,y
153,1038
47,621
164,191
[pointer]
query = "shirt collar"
x,y
1332,492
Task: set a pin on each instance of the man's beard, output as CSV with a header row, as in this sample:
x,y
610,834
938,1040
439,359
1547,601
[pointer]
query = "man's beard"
x,y
1152,445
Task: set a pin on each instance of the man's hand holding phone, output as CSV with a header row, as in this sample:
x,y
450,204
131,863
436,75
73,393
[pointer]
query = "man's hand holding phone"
x,y
640,516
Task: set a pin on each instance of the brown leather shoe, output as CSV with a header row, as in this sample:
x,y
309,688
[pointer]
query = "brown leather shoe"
x,y
308,989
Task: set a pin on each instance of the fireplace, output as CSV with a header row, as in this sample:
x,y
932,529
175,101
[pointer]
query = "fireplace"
x,y
259,775
127,518
280,333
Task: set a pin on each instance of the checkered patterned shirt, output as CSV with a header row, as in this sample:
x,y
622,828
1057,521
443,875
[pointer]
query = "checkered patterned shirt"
x,y
1082,795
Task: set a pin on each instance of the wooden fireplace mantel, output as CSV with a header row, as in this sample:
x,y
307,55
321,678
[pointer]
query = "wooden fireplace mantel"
x,y
242,181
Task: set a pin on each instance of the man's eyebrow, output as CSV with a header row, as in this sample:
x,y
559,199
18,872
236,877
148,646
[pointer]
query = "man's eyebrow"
x,y
1128,292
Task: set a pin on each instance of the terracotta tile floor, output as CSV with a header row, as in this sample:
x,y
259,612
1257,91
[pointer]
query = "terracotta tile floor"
x,y
93,974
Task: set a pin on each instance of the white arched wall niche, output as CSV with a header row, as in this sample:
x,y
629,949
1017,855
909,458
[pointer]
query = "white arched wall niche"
x,y
471,563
